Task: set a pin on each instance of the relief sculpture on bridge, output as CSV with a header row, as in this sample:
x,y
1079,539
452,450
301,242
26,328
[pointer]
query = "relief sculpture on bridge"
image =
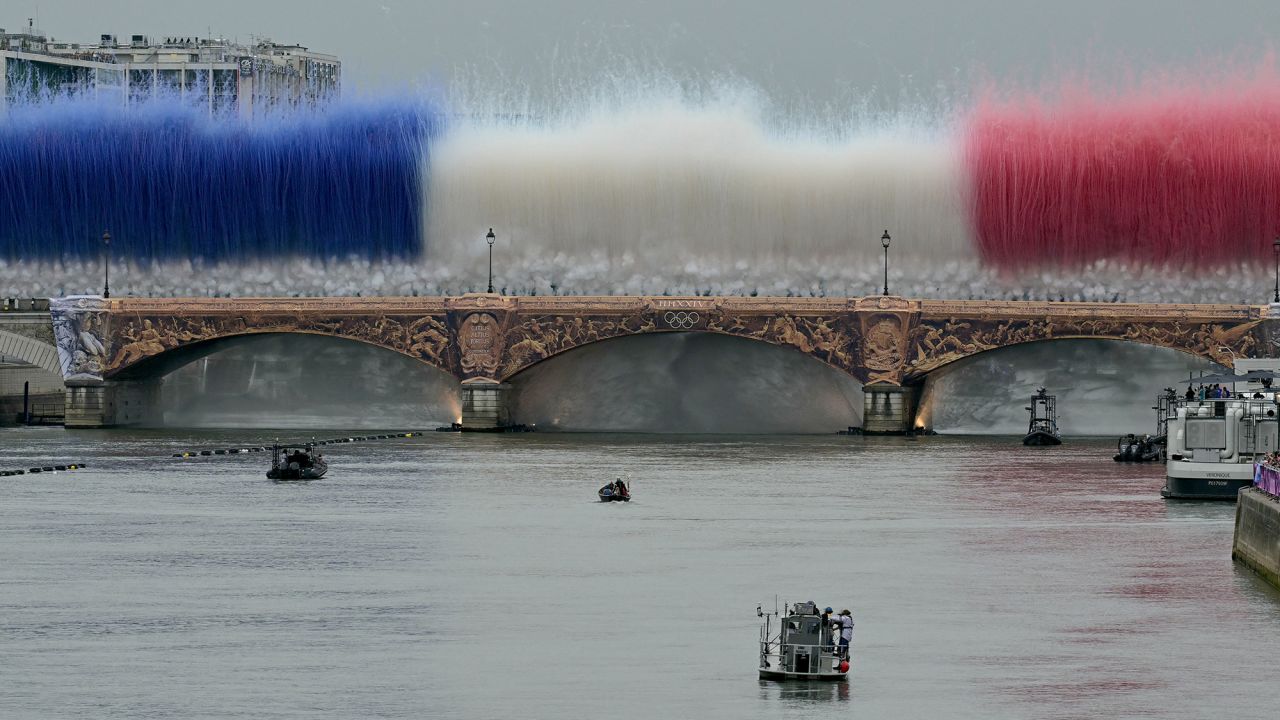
x,y
79,328
830,339
136,338
882,352
876,340
937,341
479,342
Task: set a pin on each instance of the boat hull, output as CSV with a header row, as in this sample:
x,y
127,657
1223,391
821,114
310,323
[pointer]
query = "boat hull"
x,y
614,498
1205,481
782,676
1041,437
311,473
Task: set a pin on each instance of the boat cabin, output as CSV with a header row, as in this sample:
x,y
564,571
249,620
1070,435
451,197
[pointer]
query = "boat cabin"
x,y
803,648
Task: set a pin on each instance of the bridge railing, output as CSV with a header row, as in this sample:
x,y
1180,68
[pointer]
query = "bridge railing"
x,y
13,304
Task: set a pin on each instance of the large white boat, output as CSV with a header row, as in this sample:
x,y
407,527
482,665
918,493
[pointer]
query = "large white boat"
x,y
1212,443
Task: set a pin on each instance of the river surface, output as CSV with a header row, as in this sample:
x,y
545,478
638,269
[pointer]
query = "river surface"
x,y
474,576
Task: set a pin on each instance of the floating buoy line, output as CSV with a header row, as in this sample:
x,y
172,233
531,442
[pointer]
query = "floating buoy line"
x,y
264,448
43,469
219,451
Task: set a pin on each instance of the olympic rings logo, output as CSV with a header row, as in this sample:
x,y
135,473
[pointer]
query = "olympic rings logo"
x,y
681,320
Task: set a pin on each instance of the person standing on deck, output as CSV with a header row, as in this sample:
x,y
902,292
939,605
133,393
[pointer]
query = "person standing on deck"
x,y
846,632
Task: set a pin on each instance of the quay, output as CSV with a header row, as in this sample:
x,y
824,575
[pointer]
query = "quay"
x,y
1256,543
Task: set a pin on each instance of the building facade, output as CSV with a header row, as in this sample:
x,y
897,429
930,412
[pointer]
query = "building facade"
x,y
227,77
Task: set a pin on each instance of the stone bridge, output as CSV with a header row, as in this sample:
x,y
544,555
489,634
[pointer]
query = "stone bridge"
x,y
113,350
29,365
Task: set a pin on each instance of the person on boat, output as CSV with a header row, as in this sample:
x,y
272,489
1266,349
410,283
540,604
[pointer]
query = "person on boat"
x,y
1191,394
846,632
827,624
619,488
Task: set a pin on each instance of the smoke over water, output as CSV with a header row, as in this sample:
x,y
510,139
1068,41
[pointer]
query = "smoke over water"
x,y
1103,387
669,382
689,383
1177,176
650,187
308,381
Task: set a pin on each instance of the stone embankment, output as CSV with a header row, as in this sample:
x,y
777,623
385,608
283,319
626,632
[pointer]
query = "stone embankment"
x,y
1257,536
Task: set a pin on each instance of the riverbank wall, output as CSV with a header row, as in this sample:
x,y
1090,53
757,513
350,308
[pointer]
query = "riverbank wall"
x,y
1257,535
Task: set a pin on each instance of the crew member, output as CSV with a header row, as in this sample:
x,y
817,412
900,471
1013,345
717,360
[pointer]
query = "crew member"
x,y
846,632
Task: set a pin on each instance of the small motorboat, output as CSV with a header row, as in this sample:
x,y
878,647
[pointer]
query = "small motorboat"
x,y
616,491
803,647
296,463
1043,428
1132,448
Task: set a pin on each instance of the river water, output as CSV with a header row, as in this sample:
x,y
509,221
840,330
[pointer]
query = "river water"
x,y
473,576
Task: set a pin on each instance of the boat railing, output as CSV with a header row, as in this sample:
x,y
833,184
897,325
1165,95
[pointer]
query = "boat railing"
x,y
1217,407
767,648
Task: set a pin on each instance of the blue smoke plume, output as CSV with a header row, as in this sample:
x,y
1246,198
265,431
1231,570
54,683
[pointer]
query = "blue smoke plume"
x,y
170,182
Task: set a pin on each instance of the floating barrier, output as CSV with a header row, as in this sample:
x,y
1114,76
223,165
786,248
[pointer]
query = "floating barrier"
x,y
43,469
316,443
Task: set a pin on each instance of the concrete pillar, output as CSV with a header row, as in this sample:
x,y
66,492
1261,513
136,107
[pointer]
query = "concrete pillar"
x,y
888,409
87,406
112,403
484,405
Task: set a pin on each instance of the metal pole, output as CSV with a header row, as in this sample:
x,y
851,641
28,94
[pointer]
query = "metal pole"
x,y
106,264
1276,247
490,238
886,269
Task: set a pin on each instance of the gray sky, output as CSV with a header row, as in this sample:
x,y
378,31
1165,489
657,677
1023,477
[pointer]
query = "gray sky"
x,y
802,48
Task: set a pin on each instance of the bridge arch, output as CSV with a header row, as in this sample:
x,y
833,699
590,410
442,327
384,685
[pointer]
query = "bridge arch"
x,y
29,350
959,359
149,352
286,380
685,381
937,342
830,339
1104,386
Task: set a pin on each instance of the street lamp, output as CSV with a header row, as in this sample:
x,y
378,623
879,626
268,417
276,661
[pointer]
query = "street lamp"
x,y
1275,246
885,241
490,238
106,264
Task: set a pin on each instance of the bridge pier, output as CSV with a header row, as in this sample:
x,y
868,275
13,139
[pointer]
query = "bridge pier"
x,y
484,404
111,403
888,409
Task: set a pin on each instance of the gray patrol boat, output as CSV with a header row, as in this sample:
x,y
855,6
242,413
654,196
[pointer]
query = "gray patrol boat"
x,y
802,647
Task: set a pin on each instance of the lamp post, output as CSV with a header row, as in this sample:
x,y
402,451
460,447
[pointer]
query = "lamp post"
x,y
490,238
1275,247
884,242
106,264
